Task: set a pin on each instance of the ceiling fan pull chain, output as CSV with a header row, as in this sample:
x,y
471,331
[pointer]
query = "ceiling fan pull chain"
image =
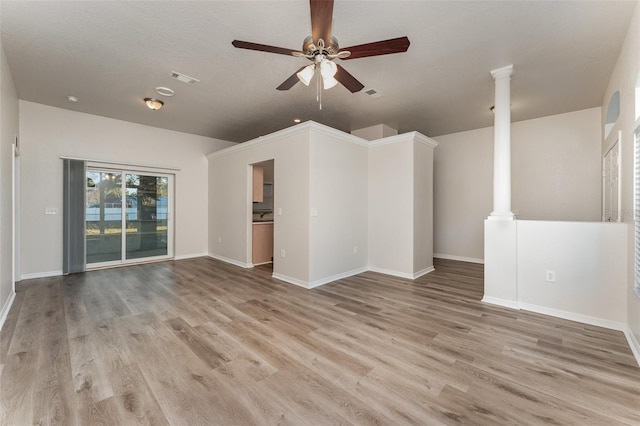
x,y
318,91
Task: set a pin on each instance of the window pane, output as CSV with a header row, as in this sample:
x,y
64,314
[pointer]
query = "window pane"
x,y
104,216
146,216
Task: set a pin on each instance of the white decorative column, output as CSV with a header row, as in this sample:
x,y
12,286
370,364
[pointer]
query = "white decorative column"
x,y
500,228
502,145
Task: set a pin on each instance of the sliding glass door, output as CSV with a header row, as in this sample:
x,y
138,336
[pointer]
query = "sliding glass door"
x,y
127,217
104,216
146,217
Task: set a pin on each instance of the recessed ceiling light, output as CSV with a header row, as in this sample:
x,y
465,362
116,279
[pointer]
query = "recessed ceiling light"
x,y
296,120
72,99
164,91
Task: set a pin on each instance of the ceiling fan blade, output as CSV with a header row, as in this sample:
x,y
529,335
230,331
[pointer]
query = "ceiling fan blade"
x,y
384,47
290,82
321,17
348,81
262,47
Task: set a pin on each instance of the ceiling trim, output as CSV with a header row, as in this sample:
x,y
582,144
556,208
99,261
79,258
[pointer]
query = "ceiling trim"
x,y
305,127
404,137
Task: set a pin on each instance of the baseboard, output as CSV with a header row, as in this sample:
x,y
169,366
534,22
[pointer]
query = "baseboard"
x,y
336,277
326,280
586,319
512,304
458,258
6,308
291,280
190,256
633,344
231,261
424,271
41,275
391,272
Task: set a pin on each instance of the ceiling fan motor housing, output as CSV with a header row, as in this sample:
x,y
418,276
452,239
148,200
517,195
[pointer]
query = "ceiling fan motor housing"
x,y
312,49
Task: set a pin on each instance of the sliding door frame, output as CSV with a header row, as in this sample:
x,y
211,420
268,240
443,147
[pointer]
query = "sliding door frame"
x,y
125,170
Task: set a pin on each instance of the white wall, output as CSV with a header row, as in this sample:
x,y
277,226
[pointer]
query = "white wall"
x,y
362,193
556,167
500,268
463,193
338,192
555,176
589,260
230,201
422,207
401,205
391,207
8,131
624,78
48,133
372,133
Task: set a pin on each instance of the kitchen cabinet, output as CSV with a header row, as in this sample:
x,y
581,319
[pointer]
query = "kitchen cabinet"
x,y
258,184
262,250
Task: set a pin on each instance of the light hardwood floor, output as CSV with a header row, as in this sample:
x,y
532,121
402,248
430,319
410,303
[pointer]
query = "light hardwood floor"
x,y
201,342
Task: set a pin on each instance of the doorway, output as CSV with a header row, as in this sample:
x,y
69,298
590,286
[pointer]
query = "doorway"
x,y
262,217
128,217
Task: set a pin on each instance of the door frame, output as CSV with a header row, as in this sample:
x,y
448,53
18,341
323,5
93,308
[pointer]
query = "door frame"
x,y
124,170
605,202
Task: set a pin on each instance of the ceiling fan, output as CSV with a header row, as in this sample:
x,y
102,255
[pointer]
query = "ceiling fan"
x,y
321,48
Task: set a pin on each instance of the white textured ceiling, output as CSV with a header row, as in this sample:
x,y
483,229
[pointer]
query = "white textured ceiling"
x,y
112,54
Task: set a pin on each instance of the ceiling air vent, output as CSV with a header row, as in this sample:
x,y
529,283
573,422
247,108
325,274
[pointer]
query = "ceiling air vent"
x,y
184,78
373,93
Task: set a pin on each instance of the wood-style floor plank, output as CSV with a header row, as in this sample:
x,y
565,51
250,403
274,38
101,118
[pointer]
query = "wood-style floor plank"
x,y
199,341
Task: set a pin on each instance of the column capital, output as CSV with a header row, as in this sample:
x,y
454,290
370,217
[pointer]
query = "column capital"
x,y
503,72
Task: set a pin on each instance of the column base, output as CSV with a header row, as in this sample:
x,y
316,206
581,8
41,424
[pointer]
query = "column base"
x,y
500,262
501,216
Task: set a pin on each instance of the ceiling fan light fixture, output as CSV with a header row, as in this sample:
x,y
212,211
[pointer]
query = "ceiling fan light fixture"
x,y
153,104
321,47
328,82
328,68
306,74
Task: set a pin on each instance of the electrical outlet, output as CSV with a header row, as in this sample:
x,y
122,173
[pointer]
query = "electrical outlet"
x,y
355,249
281,252
550,276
